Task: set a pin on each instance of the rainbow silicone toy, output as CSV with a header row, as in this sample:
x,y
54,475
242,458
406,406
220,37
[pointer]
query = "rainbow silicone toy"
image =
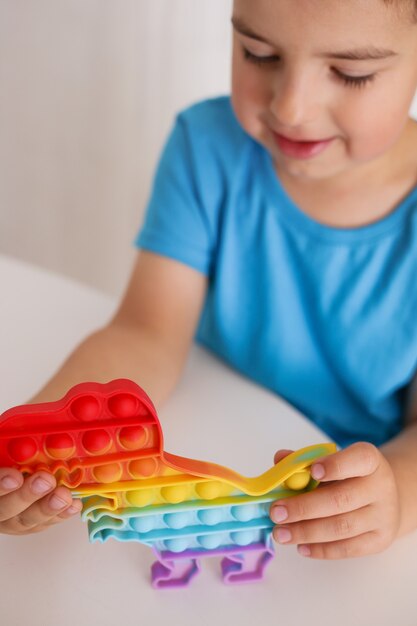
x,y
105,443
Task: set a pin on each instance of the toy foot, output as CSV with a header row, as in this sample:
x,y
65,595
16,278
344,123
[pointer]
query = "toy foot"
x,y
245,567
174,573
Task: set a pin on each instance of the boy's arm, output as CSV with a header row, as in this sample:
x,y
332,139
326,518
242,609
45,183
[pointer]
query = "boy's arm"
x,y
148,338
401,454
147,341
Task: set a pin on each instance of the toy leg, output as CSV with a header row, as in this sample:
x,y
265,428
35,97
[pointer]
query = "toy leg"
x,y
247,566
174,573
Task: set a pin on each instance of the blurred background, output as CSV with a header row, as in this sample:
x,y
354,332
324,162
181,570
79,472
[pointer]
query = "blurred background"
x,y
89,91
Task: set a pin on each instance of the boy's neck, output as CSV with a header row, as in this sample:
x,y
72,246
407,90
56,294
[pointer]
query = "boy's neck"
x,y
364,194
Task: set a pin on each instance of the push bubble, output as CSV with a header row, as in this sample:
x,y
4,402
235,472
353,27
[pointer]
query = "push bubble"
x,y
22,449
86,408
123,405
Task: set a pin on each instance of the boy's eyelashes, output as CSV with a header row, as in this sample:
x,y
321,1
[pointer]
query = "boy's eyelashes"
x,y
354,81
258,59
350,81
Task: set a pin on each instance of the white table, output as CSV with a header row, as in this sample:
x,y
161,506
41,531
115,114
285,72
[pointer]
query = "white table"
x,y
57,578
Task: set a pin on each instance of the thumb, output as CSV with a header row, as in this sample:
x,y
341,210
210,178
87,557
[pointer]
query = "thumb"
x,y
281,454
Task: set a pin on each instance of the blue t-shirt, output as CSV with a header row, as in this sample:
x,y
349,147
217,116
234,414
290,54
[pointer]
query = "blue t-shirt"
x,y
325,317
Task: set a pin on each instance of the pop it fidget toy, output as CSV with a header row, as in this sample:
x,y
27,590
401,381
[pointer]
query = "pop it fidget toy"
x,y
105,442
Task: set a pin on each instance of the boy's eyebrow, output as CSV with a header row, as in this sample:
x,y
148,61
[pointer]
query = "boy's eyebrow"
x,y
359,54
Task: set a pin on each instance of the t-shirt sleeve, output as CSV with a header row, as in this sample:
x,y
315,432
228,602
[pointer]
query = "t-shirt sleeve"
x,y
179,221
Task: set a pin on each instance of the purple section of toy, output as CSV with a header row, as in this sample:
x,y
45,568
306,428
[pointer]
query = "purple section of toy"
x,y
247,564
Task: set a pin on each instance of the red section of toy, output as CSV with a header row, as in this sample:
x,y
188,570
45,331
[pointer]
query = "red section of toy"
x,y
69,439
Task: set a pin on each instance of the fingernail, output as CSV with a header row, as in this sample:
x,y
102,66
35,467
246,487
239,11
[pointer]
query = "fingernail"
x,y
8,482
279,513
283,535
304,550
317,471
73,509
41,485
57,503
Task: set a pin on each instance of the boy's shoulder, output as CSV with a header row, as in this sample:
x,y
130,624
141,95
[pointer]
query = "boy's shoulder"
x,y
218,107
213,118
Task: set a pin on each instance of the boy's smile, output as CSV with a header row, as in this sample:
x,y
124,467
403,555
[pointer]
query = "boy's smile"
x,y
341,74
301,148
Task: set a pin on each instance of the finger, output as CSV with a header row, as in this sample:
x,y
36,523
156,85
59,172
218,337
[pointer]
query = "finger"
x,y
359,459
10,479
368,543
281,454
32,489
12,528
41,511
327,529
339,497
74,509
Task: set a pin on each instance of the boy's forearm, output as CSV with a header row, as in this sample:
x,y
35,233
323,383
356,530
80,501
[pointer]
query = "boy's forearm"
x,y
401,453
117,351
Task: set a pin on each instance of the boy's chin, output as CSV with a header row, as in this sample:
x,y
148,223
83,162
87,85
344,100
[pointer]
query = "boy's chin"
x,y
306,170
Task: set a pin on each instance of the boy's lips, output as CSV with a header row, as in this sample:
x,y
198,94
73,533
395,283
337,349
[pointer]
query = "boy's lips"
x,y
301,149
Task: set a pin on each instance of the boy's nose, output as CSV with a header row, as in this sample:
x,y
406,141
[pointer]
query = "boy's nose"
x,y
294,103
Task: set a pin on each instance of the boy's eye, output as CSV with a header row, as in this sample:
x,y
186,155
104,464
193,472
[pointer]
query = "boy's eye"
x,y
355,81
253,58
350,81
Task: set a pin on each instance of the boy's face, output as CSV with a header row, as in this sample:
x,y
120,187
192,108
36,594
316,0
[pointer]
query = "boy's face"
x,y
287,80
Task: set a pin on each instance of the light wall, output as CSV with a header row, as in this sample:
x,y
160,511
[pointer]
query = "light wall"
x,y
89,90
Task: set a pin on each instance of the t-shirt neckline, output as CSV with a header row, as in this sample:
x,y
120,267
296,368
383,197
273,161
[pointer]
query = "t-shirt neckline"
x,y
296,218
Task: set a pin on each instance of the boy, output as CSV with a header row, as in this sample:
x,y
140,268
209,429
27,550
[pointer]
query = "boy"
x,y
281,230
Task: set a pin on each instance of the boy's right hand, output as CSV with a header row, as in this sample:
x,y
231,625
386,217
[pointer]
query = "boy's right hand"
x,y
34,503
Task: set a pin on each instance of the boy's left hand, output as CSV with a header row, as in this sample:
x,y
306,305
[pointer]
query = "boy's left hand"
x,y
354,511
